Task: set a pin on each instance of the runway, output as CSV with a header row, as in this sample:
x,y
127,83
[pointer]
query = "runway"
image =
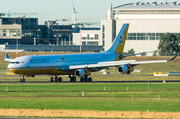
x,y
31,82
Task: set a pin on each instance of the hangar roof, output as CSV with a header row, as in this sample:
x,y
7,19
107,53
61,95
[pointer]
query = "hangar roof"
x,y
149,5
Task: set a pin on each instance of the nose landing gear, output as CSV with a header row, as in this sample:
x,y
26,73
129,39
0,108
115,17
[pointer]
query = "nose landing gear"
x,y
22,79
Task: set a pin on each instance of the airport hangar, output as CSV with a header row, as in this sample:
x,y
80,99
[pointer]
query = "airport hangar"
x,y
148,21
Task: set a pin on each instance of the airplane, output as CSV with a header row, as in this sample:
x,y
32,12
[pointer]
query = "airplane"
x,y
77,65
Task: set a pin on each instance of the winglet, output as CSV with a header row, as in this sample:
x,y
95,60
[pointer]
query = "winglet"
x,y
172,58
7,58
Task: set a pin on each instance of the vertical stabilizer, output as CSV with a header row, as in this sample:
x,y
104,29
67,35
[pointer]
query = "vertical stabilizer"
x,y
119,42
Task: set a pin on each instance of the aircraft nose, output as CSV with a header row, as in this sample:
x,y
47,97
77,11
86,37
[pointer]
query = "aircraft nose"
x,y
8,67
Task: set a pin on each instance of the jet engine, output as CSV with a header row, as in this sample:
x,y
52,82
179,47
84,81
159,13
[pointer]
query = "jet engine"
x,y
80,73
125,69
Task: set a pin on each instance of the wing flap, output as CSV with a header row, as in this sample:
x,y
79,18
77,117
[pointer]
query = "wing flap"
x,y
101,64
147,62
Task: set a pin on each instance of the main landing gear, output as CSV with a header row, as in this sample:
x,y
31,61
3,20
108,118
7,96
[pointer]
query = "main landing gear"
x,y
56,79
72,79
86,79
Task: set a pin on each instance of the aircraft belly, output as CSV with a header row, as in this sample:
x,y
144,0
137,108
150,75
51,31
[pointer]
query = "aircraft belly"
x,y
60,72
37,71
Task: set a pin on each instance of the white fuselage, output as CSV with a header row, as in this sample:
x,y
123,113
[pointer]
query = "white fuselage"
x,y
56,64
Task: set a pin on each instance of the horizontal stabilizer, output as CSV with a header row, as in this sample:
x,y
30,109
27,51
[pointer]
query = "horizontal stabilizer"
x,y
172,58
141,53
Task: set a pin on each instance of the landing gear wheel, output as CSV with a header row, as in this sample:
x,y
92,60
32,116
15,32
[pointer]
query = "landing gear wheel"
x,y
60,79
56,79
82,80
74,79
71,79
90,79
52,79
86,79
22,80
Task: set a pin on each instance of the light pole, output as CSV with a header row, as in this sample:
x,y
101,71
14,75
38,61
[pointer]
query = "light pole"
x,y
80,39
17,45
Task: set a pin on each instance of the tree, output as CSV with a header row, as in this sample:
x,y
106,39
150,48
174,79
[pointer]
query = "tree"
x,y
169,44
155,53
131,51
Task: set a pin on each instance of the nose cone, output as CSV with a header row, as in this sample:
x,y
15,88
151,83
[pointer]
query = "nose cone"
x,y
9,67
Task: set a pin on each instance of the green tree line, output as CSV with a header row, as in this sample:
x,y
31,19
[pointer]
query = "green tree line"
x,y
169,45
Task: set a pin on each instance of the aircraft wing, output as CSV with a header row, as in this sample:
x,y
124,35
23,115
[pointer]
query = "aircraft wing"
x,y
102,64
117,63
152,61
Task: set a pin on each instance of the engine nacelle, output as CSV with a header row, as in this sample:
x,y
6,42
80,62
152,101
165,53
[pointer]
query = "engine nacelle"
x,y
123,69
80,73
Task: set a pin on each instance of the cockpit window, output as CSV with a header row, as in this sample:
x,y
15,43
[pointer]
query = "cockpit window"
x,y
31,60
14,62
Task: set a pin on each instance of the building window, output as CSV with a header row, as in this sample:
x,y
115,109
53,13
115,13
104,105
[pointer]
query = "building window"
x,y
103,32
4,34
87,36
144,36
103,28
103,36
95,43
96,36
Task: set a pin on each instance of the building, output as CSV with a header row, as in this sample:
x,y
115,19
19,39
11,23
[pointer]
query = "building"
x,y
87,36
19,20
26,31
148,21
29,36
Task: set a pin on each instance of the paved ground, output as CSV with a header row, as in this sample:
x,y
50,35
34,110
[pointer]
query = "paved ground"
x,y
158,81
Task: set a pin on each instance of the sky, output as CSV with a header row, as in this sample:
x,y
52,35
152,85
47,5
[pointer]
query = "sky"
x,y
91,10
